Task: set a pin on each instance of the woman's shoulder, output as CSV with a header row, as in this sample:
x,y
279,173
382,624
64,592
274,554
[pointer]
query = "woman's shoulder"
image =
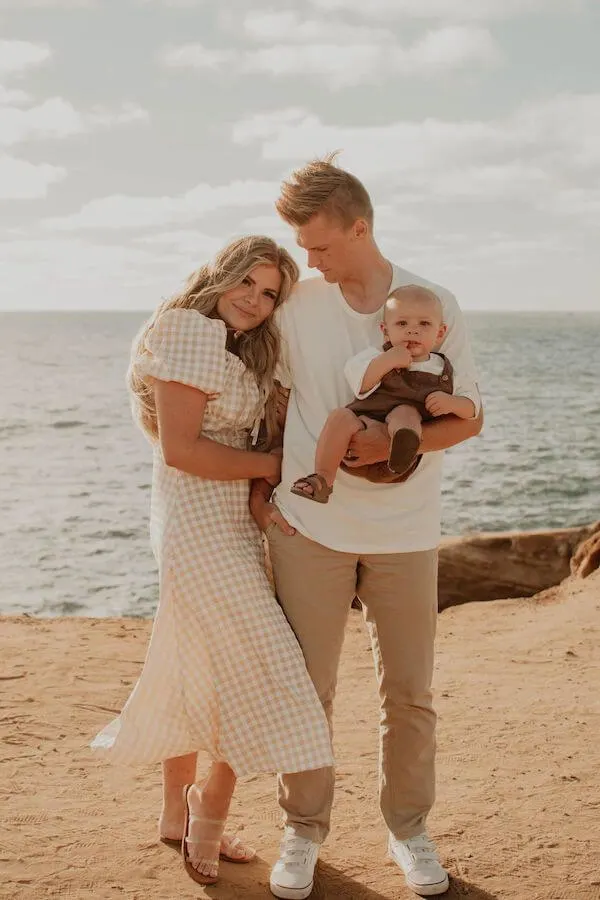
x,y
185,345
182,321
187,330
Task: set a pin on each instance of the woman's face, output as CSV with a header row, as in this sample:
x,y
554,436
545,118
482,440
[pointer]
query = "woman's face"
x,y
246,306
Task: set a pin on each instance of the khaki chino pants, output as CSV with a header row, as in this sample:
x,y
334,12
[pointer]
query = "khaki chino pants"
x,y
315,587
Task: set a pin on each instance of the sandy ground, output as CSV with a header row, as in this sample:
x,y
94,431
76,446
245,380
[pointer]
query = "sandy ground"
x,y
518,810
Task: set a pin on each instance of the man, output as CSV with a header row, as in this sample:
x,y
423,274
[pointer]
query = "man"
x,y
378,541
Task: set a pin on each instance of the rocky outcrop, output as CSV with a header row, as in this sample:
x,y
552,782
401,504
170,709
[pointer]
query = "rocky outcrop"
x,y
586,558
496,566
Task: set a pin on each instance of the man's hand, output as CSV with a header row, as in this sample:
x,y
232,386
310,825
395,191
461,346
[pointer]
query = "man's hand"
x,y
438,403
371,445
264,512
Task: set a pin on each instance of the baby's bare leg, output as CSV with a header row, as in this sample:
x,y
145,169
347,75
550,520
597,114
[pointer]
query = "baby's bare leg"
x,y
404,416
340,426
333,442
404,426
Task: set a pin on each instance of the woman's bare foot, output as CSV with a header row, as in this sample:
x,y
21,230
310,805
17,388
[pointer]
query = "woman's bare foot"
x,y
204,824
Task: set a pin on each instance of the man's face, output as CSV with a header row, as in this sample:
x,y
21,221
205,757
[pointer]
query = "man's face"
x,y
329,246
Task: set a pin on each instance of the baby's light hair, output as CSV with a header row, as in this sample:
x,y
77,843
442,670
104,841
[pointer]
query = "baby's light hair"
x,y
415,292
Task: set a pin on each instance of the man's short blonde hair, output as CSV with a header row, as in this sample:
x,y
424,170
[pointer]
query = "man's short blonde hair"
x,y
322,187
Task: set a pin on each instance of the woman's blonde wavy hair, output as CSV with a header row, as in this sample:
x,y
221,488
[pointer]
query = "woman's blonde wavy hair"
x,y
259,349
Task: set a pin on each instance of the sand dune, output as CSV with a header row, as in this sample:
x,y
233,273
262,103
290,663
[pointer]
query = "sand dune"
x,y
518,811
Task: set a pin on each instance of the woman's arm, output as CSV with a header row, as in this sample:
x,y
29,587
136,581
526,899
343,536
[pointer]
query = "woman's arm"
x,y
283,397
180,410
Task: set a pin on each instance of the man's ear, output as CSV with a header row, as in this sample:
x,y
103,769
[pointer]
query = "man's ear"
x,y
360,229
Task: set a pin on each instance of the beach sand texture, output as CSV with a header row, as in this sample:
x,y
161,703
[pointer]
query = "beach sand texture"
x,y
518,811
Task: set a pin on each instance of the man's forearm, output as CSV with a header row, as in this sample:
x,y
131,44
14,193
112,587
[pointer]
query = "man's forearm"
x,y
447,431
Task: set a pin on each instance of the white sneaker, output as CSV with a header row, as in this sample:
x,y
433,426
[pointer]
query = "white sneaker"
x,y
418,859
292,876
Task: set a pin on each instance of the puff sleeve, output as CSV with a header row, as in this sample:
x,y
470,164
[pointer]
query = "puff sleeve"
x,y
184,345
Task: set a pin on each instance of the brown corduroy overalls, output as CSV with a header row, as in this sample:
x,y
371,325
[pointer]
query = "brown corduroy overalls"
x,y
399,387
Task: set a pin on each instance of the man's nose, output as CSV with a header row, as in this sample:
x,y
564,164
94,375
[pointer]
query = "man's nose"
x,y
312,261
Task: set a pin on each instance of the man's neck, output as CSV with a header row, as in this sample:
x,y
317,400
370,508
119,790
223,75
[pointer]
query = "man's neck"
x,y
367,289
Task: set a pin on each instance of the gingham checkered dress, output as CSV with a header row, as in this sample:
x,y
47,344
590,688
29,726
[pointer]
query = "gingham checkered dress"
x,y
223,672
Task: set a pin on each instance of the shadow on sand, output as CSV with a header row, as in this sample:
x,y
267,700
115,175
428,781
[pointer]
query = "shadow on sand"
x,y
330,884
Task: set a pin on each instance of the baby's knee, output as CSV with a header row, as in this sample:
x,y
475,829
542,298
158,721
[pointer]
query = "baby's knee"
x,y
344,418
404,414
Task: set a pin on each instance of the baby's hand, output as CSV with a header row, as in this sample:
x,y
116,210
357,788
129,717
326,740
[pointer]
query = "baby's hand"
x,y
400,357
438,403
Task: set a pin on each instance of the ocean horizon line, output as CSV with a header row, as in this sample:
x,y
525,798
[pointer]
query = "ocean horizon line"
x,y
150,310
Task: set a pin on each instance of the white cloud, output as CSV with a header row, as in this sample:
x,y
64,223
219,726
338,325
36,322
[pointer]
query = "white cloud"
x,y
12,96
174,4
448,10
122,211
46,4
338,65
66,273
526,156
269,26
22,180
447,48
17,56
187,242
72,272
57,118
196,56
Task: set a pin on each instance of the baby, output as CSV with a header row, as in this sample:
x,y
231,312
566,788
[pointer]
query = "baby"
x,y
401,386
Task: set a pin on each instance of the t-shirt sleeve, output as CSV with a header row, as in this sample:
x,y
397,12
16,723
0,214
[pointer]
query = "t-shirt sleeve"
x,y
457,348
355,369
185,346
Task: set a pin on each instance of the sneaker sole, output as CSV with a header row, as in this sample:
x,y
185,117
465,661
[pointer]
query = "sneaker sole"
x,y
428,890
287,893
423,890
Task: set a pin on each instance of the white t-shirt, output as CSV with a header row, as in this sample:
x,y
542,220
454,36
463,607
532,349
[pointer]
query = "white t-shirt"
x,y
356,367
320,333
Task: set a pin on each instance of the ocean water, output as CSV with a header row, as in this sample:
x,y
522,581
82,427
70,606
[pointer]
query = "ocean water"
x,y
76,474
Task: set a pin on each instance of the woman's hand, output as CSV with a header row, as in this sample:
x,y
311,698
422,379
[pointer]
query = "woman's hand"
x,y
264,512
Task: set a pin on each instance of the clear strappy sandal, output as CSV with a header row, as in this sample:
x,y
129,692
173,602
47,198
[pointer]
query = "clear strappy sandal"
x,y
204,869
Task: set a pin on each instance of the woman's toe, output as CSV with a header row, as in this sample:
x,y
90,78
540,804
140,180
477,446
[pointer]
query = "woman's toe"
x,y
233,848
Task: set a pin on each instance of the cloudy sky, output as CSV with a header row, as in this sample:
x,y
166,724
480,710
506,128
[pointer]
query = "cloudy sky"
x,y
137,136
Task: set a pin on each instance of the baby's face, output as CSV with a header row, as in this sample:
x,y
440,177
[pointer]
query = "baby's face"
x,y
414,323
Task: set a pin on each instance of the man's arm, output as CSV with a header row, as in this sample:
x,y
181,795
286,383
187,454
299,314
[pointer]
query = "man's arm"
x,y
372,445
447,431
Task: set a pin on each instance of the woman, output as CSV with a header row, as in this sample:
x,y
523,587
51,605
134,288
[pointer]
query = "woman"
x,y
223,673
